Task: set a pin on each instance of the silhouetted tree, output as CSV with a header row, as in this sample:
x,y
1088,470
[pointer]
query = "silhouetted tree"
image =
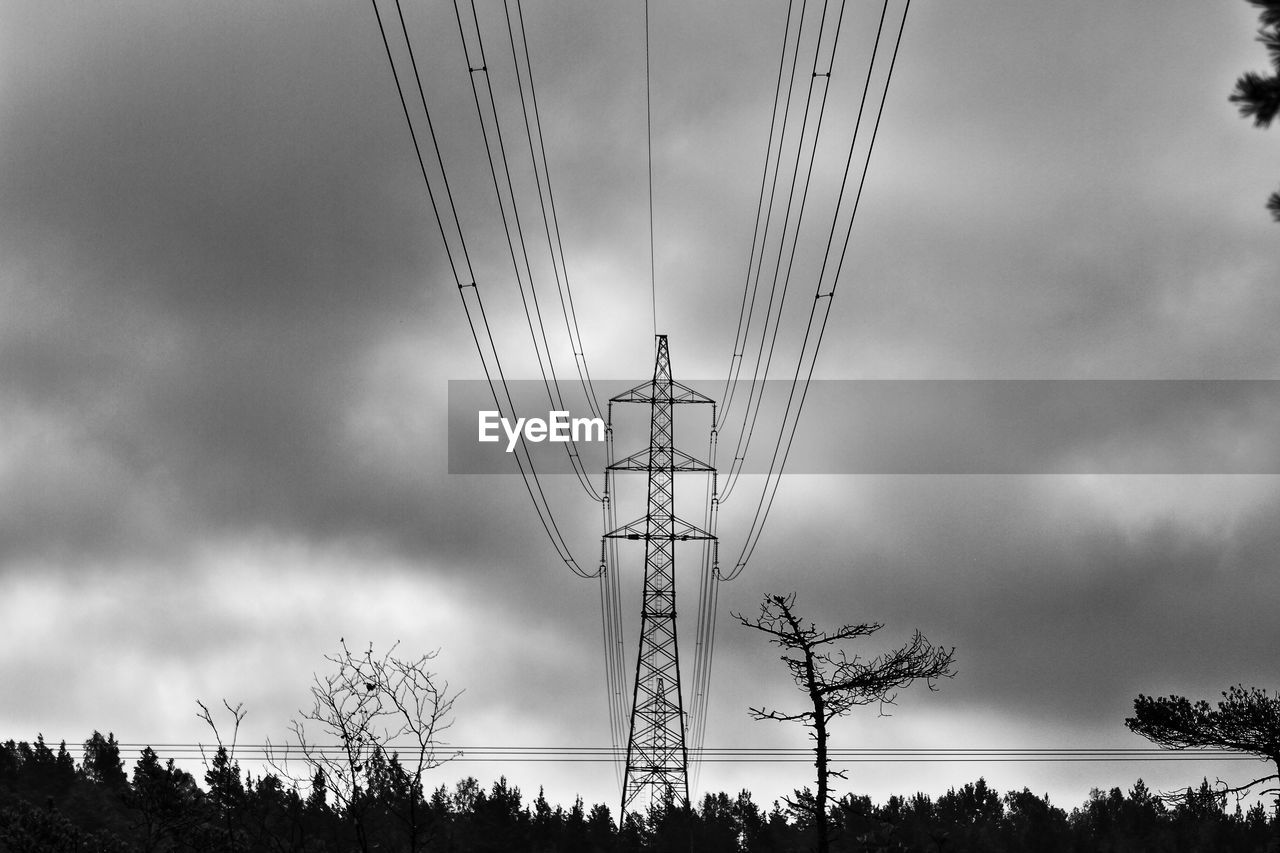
x,y
913,821
574,832
102,762
1246,720
631,836
971,815
27,829
101,786
277,816
601,835
222,775
1200,821
1033,825
669,825
836,683
750,823
42,774
163,798
861,825
718,829
163,811
1258,95
546,823
368,704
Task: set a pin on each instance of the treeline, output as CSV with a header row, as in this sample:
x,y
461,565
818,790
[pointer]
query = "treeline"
x,y
50,803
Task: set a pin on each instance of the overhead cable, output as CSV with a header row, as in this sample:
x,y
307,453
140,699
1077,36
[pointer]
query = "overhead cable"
x,y
786,434
547,204
753,755
513,229
464,279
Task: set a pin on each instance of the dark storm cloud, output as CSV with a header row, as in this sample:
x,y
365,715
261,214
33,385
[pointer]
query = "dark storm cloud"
x,y
1049,211
1062,608
229,326
215,237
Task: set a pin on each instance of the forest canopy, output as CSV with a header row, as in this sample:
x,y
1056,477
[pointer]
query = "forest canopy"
x,y
49,801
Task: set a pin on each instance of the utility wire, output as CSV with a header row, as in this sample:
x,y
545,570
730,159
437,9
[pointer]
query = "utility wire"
x,y
709,579
744,317
611,630
494,375
761,374
547,205
648,120
779,459
514,231
571,319
753,283
615,655
709,586
754,755
610,609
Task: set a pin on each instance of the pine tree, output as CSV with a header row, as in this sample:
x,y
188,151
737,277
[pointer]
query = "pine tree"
x,y
102,764
1258,95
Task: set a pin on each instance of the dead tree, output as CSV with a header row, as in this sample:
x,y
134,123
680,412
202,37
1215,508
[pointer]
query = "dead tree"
x,y
836,683
378,708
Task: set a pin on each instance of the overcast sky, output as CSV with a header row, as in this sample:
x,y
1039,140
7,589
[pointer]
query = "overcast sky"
x,y
229,327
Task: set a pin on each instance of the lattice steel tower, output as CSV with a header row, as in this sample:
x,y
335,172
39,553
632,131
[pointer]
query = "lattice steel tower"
x,y
657,758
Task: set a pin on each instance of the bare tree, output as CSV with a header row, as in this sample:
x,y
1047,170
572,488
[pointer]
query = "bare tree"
x,y
377,708
222,775
1246,720
836,683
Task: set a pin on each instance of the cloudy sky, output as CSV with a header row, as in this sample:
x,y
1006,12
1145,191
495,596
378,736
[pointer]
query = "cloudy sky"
x,y
229,329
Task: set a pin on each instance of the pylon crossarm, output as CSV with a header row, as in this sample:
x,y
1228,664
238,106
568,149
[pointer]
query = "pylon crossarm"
x,y
681,531
643,460
668,391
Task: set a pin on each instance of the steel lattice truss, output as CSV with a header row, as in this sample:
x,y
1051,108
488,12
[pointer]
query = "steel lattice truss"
x,y
657,756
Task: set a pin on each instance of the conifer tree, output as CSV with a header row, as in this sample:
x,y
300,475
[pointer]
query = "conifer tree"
x,y
1258,94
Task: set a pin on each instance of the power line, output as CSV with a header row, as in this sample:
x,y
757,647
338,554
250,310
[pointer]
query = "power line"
x,y
514,232
731,380
611,628
753,284
723,755
571,314
752,413
516,235
708,598
648,117
790,421
615,654
708,592
709,581
546,207
448,235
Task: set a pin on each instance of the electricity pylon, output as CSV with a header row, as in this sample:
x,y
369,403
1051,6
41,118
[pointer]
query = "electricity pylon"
x,y
657,758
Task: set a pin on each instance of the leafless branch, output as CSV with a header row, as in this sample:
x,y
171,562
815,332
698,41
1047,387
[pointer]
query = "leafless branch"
x,y
836,683
376,707
237,715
